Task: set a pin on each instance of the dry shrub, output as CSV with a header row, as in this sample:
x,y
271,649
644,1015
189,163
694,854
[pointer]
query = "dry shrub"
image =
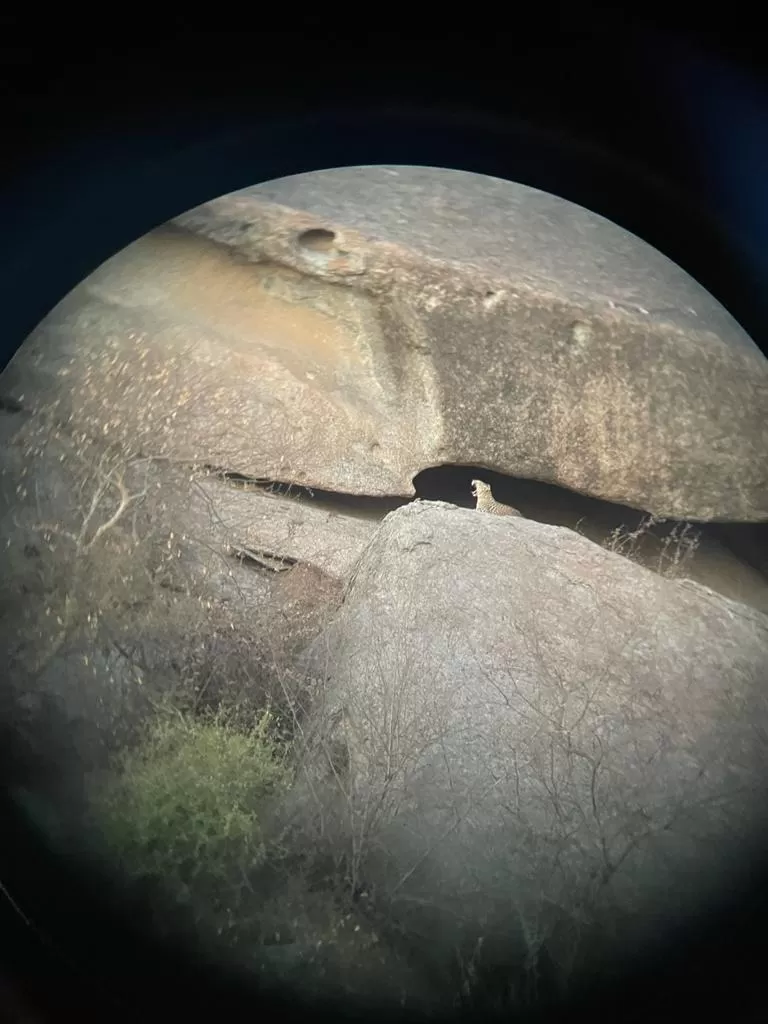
x,y
676,546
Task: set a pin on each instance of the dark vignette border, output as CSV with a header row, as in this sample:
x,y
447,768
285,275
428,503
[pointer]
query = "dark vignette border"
x,y
115,148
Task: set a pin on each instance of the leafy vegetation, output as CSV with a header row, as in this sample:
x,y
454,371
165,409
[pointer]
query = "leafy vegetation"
x,y
185,806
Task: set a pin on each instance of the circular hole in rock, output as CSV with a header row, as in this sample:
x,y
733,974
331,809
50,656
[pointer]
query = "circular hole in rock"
x,y
317,239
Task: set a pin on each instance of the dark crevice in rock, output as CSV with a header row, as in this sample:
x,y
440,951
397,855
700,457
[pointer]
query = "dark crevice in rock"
x,y
9,404
747,540
559,506
452,483
375,507
543,502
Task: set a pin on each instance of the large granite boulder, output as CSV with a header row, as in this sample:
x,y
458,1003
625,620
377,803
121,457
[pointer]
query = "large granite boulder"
x,y
347,329
524,741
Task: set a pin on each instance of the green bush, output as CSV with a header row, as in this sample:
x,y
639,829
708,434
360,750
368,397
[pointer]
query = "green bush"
x,y
184,807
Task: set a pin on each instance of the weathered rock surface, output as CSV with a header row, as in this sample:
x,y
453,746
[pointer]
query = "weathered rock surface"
x,y
348,328
257,522
189,580
528,718
527,738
